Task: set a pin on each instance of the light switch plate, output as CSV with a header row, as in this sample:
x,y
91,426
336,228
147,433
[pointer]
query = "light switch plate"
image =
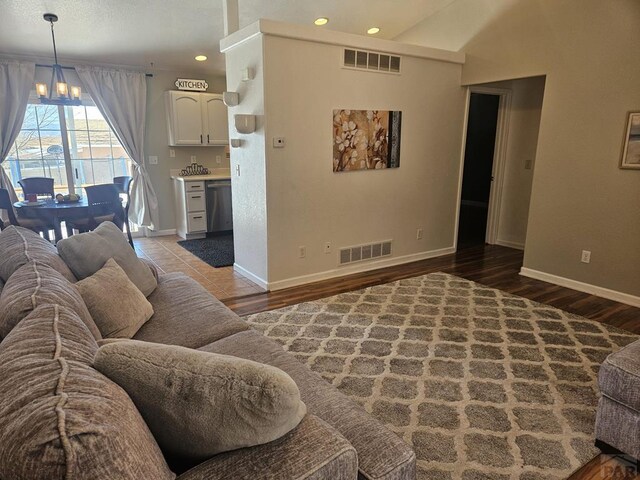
x,y
153,160
172,153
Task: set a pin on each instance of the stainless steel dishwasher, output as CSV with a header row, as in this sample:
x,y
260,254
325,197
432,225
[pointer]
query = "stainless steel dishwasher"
x,y
219,213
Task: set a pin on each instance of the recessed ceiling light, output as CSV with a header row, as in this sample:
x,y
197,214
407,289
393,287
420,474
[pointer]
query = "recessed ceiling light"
x,y
201,58
321,21
373,30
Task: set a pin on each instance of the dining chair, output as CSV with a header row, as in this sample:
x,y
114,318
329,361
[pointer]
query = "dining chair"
x,y
124,188
104,205
34,224
39,185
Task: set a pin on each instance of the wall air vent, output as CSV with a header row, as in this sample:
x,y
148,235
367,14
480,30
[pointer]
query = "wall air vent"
x,y
360,253
372,61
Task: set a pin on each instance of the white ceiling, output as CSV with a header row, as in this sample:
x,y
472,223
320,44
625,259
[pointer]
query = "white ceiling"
x,y
170,33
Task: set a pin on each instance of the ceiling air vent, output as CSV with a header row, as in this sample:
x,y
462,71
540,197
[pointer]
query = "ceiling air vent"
x,y
365,252
372,61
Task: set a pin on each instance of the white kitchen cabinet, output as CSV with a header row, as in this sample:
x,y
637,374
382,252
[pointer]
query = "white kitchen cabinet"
x,y
196,119
214,119
191,208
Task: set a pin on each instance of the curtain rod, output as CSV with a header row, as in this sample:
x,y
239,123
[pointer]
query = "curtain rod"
x,y
73,68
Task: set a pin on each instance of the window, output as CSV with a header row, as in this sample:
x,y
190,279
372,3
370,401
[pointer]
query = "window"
x,y
93,155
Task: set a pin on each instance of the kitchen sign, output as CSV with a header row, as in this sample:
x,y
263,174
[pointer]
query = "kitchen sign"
x,y
192,85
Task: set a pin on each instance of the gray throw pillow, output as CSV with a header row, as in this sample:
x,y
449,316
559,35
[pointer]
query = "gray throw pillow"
x,y
116,305
86,253
198,404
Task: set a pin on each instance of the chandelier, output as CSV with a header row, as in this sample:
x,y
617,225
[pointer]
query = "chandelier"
x,y
66,95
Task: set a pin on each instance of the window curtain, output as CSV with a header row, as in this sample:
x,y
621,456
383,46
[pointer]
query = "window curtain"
x,y
121,97
16,82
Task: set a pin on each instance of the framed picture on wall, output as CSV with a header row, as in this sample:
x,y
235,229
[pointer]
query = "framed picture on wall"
x,y
631,147
366,139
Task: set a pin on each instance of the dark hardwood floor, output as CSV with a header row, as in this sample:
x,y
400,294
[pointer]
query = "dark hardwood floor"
x,y
490,265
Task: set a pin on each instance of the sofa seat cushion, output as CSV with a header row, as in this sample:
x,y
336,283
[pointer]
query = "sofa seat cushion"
x,y
187,315
619,376
86,253
199,404
20,246
313,450
381,454
59,417
37,284
116,305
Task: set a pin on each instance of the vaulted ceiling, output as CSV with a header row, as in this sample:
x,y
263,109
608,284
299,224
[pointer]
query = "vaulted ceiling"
x,y
170,33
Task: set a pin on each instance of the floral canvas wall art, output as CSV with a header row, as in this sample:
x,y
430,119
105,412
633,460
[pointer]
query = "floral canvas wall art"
x,y
366,139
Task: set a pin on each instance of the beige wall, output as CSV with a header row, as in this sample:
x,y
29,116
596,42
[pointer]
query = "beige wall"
x,y
309,204
157,142
248,189
581,199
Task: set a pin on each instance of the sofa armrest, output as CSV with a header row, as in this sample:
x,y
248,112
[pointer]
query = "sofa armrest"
x,y
313,451
152,267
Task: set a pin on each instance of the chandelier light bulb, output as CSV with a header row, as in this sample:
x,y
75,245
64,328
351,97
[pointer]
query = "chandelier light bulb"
x,y
62,89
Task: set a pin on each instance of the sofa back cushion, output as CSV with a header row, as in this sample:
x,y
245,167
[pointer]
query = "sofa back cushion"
x,y
86,253
20,246
35,284
60,418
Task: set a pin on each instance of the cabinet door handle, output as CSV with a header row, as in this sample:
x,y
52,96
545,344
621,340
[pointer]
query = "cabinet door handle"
x,y
195,218
200,138
196,196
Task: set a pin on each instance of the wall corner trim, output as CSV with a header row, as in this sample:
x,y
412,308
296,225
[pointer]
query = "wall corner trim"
x,y
254,278
614,295
361,267
332,37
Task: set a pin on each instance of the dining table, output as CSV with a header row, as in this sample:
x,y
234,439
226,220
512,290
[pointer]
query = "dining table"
x,y
53,212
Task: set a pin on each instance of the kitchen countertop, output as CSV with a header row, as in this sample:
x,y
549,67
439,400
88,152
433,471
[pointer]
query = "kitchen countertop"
x,y
216,174
195,178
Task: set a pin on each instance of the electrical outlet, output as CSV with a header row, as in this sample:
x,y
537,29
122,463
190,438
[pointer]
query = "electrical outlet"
x,y
172,153
218,159
419,234
153,160
327,247
302,251
586,256
193,159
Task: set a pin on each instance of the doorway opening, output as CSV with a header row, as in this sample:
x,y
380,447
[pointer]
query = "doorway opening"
x,y
478,173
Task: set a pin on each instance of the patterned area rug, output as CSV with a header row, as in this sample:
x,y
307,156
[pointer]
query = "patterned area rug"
x,y
483,384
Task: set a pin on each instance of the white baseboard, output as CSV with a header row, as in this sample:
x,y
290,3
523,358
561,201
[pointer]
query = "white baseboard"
x,y
254,278
159,233
361,267
582,287
507,243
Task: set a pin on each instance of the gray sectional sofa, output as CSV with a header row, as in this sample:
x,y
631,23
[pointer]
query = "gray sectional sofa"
x,y
618,418
63,432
